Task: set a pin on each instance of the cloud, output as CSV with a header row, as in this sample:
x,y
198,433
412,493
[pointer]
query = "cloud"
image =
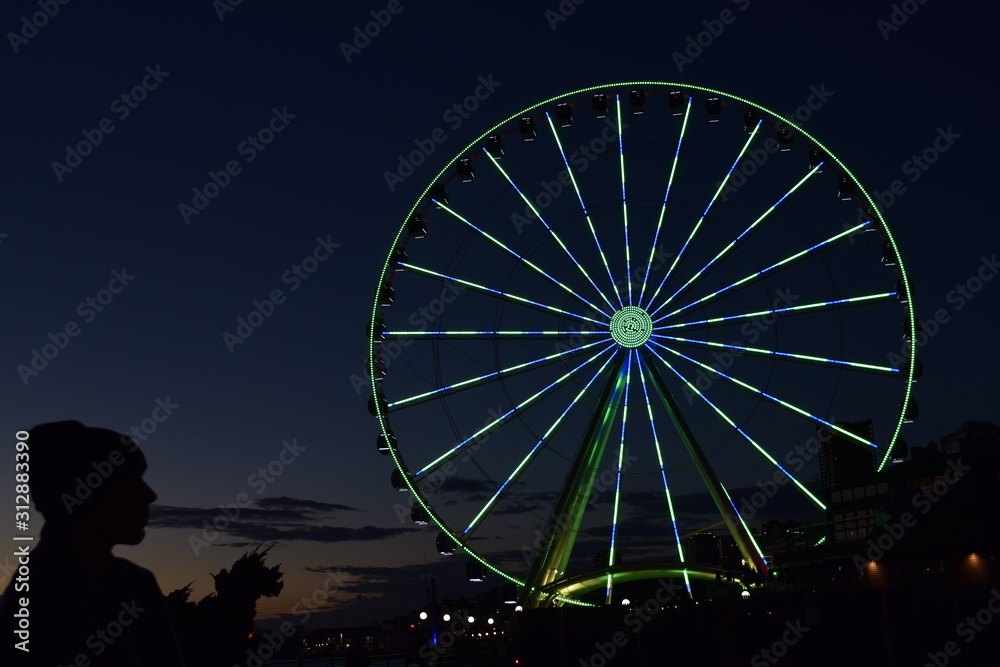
x,y
274,519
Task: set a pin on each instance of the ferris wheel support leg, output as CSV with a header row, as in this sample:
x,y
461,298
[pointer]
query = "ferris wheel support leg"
x,y
564,524
740,533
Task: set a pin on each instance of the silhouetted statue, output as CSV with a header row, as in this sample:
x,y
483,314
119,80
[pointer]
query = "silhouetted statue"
x,y
216,630
85,605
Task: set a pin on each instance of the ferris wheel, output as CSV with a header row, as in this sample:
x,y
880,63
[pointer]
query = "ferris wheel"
x,y
613,313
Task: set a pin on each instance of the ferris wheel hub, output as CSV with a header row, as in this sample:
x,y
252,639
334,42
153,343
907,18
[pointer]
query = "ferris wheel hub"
x,y
631,327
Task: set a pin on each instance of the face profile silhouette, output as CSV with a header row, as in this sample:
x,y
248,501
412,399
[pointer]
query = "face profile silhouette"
x,y
85,605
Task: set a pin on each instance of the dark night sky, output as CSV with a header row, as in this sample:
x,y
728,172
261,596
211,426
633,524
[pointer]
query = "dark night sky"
x,y
160,338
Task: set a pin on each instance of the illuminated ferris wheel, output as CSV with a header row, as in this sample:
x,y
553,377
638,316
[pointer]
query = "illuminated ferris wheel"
x,y
613,308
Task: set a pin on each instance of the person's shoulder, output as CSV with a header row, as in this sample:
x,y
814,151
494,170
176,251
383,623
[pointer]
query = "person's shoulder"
x,y
122,569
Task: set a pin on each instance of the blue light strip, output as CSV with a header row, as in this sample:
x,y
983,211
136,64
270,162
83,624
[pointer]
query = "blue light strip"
x,y
495,374
666,197
586,213
524,260
663,468
505,295
534,450
789,355
473,334
752,276
760,392
745,435
732,244
551,231
499,420
618,478
621,160
718,191
777,311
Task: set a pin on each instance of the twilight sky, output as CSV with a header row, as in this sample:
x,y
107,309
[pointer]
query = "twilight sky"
x,y
297,124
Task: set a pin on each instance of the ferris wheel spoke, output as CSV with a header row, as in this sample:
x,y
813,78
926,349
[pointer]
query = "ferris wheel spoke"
x,y
502,419
586,213
534,450
743,433
786,261
489,377
492,239
666,197
857,300
760,392
621,162
732,244
787,355
551,231
697,226
663,470
618,477
491,334
499,293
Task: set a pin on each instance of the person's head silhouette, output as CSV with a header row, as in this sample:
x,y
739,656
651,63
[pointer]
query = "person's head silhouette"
x,y
88,482
88,606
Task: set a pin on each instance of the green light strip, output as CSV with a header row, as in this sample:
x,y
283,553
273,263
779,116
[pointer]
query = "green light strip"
x,y
495,374
663,468
618,478
745,435
538,215
777,311
524,260
666,197
768,396
621,161
732,244
502,418
490,290
701,220
776,265
534,450
772,353
586,213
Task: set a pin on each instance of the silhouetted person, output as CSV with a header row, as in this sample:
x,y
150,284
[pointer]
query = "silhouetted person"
x,y
87,606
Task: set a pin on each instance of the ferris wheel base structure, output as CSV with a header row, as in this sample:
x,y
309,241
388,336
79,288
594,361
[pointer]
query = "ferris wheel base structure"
x,y
557,594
